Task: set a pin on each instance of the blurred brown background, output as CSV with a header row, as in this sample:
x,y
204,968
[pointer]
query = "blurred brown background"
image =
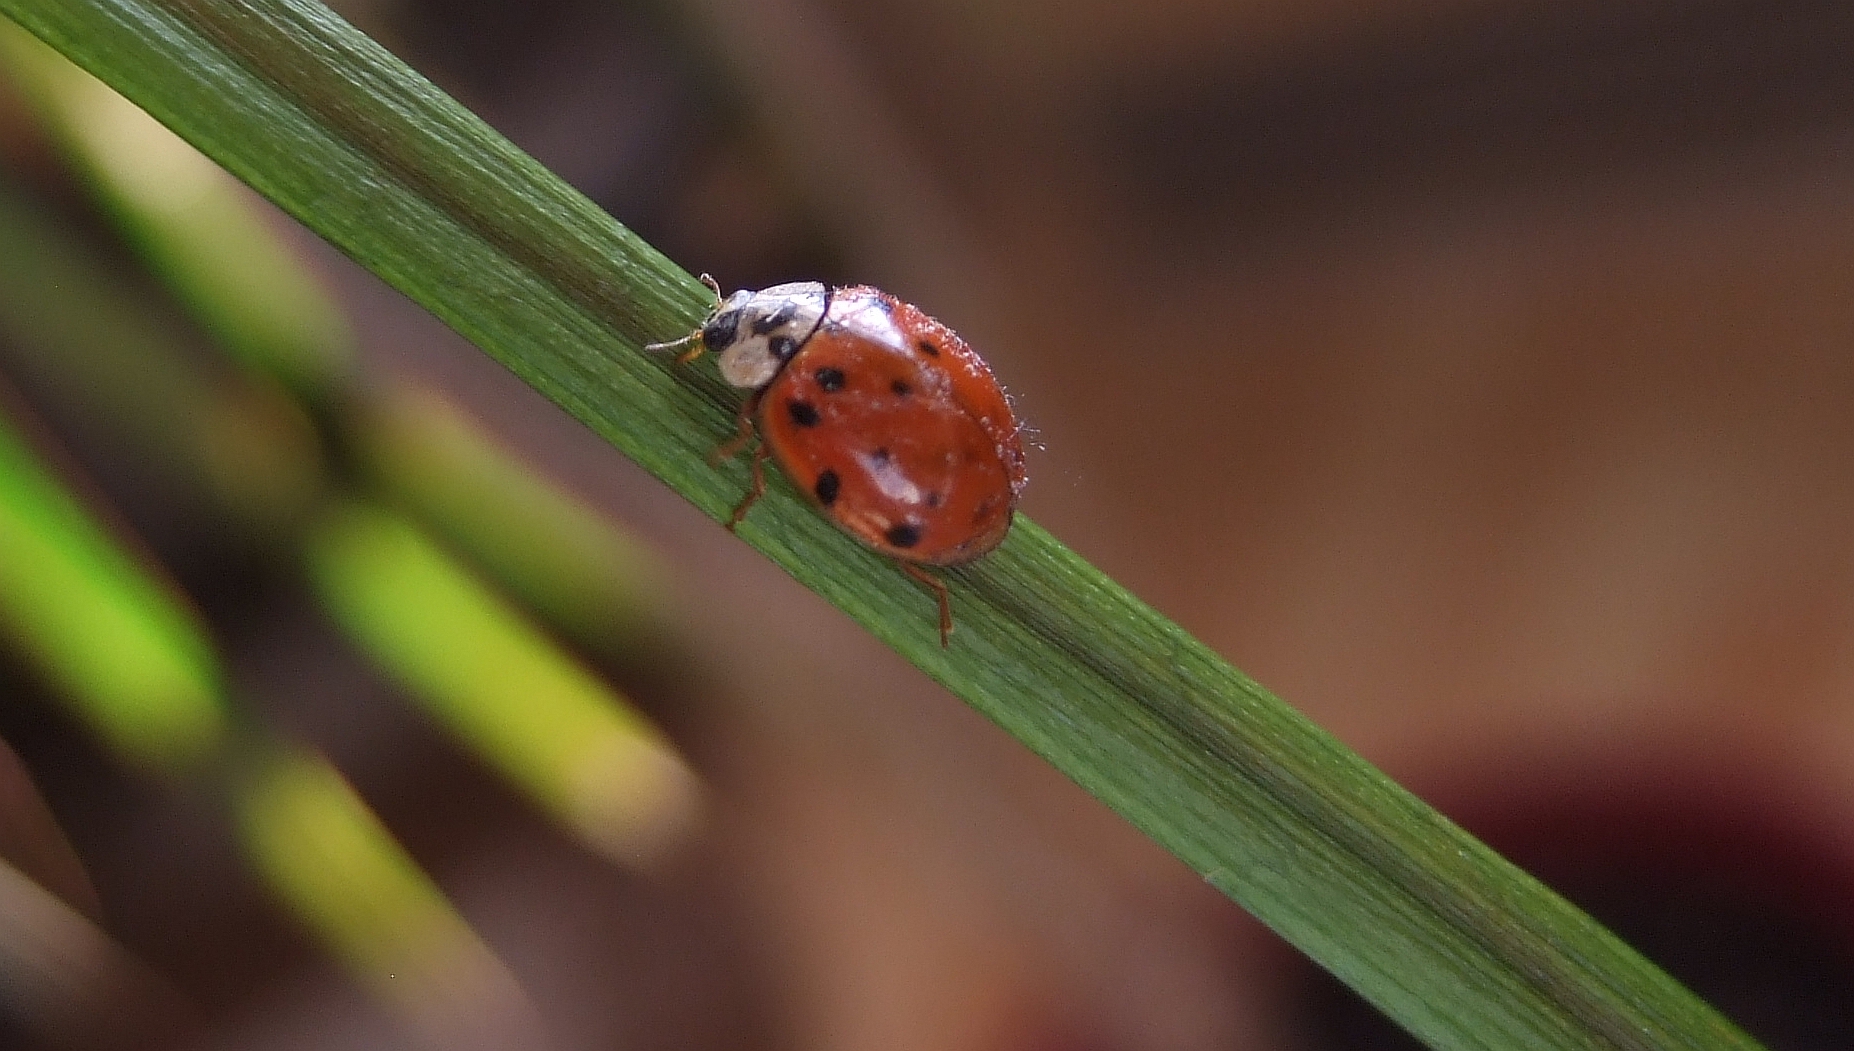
x,y
1475,374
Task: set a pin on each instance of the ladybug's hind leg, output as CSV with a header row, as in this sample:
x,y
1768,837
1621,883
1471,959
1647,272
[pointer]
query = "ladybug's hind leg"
x,y
938,587
755,490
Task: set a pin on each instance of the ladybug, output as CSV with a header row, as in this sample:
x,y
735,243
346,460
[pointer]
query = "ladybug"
x,y
882,416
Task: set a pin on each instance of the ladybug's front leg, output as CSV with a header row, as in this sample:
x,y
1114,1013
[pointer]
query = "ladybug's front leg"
x,y
744,431
744,435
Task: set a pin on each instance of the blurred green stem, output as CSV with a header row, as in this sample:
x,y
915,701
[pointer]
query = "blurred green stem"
x,y
116,640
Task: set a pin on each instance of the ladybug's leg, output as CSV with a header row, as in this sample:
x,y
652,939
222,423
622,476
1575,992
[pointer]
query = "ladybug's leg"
x,y
757,489
744,433
939,593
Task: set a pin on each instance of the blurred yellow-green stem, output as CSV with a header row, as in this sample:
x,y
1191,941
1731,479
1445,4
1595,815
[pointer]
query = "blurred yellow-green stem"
x,y
115,639
328,857
596,583
482,671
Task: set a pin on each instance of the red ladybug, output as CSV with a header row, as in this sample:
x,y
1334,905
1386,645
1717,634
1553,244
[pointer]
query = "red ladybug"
x,y
884,417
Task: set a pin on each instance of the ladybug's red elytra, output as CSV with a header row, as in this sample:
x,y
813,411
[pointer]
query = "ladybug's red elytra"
x,y
884,417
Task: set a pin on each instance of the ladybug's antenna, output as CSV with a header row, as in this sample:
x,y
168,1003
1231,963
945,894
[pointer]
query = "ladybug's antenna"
x,y
677,344
694,337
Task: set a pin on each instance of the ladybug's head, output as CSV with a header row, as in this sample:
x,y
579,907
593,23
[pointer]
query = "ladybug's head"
x,y
756,333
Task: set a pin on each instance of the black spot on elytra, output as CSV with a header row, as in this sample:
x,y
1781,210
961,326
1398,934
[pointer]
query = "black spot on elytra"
x,y
767,322
827,487
934,499
802,412
879,457
928,348
903,535
721,330
830,379
901,388
783,347
984,508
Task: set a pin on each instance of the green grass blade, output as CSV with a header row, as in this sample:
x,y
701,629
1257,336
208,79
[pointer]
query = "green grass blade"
x,y
1454,943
